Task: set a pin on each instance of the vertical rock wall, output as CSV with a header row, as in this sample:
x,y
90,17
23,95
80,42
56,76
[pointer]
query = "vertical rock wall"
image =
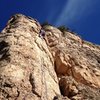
x,y
26,65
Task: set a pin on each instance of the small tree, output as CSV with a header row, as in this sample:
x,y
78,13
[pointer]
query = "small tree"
x,y
63,28
45,24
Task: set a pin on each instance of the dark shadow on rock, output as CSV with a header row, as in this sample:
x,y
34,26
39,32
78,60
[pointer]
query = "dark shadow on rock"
x,y
4,54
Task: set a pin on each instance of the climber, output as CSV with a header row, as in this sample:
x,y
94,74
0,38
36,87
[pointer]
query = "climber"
x,y
42,33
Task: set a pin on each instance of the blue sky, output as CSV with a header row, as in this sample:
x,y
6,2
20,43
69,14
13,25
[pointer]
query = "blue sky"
x,y
82,16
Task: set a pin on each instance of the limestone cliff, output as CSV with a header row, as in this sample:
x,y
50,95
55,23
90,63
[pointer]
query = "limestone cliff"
x,y
61,66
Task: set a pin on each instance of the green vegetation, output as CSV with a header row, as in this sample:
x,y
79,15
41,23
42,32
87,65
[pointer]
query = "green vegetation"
x,y
45,24
63,28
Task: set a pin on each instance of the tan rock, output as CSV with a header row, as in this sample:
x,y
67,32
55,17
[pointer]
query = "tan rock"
x,y
68,86
76,57
26,64
32,68
76,98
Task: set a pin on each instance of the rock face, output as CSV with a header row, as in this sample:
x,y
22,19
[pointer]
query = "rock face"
x,y
61,66
26,64
75,57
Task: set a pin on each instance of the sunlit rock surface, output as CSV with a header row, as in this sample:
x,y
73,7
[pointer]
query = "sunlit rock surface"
x,y
61,66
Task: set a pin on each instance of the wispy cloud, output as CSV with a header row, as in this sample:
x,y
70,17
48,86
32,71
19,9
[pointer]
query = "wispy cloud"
x,y
50,5
54,8
74,10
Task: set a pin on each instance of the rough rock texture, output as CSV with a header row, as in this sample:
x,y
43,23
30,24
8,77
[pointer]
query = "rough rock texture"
x,y
60,67
76,58
26,65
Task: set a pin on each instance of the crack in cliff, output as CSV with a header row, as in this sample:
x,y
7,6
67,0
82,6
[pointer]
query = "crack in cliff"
x,y
31,80
18,93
